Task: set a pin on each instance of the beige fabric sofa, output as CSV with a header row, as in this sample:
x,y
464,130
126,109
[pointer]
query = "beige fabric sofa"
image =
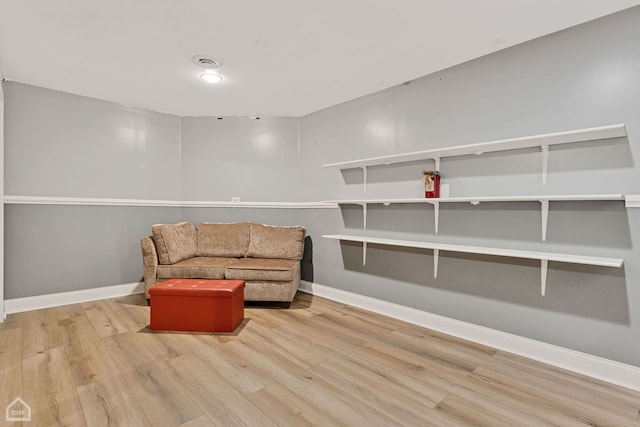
x,y
266,257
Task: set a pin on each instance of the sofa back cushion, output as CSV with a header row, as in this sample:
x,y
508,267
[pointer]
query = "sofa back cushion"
x,y
174,242
268,241
223,240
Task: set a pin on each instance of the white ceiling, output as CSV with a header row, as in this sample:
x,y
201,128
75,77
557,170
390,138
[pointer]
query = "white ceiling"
x,y
280,57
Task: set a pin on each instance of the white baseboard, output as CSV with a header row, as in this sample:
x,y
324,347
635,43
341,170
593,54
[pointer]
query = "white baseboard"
x,y
593,366
18,305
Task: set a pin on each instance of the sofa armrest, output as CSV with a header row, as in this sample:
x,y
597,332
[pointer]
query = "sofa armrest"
x,y
150,262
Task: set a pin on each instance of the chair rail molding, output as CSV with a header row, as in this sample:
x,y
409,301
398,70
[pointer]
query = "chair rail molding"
x,y
96,201
632,200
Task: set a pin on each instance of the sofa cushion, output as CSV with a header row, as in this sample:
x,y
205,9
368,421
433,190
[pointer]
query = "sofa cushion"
x,y
196,268
223,240
279,270
268,241
174,242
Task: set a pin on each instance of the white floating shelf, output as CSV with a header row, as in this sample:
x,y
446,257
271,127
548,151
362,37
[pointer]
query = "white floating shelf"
x,y
543,141
543,200
566,137
543,257
472,199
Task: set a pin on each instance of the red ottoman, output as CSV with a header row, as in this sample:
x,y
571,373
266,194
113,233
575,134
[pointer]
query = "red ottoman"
x,y
197,305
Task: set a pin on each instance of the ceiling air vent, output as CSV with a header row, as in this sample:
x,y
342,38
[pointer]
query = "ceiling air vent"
x,y
205,62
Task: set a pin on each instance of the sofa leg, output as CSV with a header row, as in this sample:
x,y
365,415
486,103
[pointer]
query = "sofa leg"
x,y
149,302
285,304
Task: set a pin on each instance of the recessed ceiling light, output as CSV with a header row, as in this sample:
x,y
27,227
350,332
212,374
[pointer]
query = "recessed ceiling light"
x,y
211,77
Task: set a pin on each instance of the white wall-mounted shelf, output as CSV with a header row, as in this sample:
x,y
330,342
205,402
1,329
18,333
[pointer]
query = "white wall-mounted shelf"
x,y
543,200
543,141
543,257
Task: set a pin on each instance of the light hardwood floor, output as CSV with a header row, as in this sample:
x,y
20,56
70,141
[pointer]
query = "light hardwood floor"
x,y
317,363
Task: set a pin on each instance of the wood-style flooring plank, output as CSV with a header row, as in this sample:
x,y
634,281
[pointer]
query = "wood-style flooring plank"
x,y
12,321
110,402
422,359
103,318
217,399
47,386
156,390
317,304
10,387
418,381
530,409
287,348
84,351
10,348
40,330
163,345
268,317
375,389
201,421
286,408
475,413
315,340
451,343
10,367
132,312
233,367
357,316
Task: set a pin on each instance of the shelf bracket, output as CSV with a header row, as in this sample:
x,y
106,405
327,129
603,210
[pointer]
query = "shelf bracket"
x,y
545,161
544,210
364,179
364,215
436,256
543,276
364,253
437,165
436,215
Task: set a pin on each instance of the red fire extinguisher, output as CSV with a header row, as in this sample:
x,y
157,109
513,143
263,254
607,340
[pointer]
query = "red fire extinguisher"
x,y
431,184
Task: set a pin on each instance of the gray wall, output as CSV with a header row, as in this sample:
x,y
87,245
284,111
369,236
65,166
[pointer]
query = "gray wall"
x,y
59,144
63,145
66,248
256,160
582,77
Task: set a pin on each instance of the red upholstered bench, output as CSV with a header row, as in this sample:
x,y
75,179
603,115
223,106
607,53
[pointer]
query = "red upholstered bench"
x,y
197,305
